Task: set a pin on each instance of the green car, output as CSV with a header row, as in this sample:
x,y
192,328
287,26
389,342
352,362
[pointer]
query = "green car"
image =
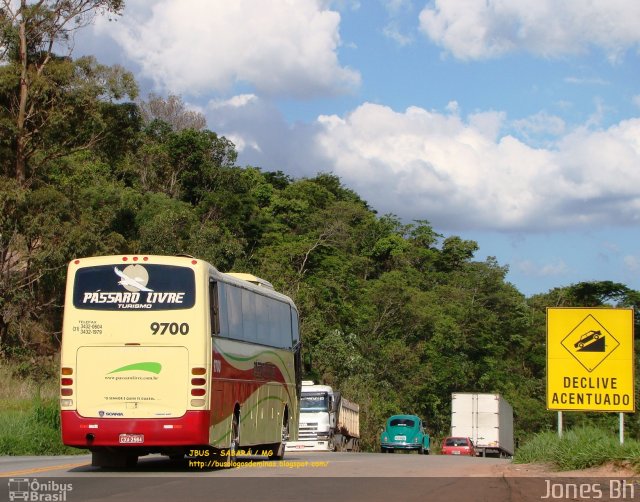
x,y
404,432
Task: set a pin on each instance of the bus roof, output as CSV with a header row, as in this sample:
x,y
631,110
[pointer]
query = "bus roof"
x,y
251,278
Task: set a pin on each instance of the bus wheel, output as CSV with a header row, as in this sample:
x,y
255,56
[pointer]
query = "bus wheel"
x,y
279,448
234,440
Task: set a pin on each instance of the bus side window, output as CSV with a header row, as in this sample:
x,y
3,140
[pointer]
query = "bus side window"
x,y
213,308
295,334
234,312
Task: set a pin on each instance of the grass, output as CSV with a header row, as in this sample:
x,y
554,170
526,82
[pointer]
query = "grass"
x,y
29,415
35,431
579,448
19,389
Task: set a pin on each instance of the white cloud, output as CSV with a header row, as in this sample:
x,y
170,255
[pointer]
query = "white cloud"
x,y
540,124
235,102
611,247
479,29
462,174
262,136
586,81
533,269
632,263
397,10
554,269
395,6
196,46
392,31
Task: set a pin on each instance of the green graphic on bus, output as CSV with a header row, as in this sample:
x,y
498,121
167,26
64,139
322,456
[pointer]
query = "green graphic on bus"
x,y
146,366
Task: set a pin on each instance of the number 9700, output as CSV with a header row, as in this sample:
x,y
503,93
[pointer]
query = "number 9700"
x,y
171,328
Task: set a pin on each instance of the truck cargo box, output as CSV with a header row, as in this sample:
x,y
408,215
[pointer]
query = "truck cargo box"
x,y
485,418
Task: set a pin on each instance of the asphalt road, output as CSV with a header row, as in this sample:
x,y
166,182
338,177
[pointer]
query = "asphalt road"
x,y
318,464
307,477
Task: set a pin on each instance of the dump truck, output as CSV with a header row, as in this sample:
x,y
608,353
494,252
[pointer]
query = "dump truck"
x,y
487,419
328,421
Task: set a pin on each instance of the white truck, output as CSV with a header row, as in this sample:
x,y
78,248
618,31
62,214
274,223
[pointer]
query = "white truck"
x,y
328,421
487,419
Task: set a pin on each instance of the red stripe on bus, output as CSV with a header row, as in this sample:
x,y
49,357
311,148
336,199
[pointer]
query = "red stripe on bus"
x,y
189,430
233,385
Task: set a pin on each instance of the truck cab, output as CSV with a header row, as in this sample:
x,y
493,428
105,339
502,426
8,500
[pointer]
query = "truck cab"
x,y
318,418
328,422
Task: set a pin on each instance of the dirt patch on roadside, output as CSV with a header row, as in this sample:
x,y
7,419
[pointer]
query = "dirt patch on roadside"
x,y
609,470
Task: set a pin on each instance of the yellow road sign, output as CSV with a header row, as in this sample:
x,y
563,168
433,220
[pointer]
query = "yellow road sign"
x,y
590,363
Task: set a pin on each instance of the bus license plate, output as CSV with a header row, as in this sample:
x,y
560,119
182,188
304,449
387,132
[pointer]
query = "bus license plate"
x,y
131,438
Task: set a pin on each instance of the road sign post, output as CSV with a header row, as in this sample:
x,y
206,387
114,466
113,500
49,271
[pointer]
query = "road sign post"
x,y
590,361
559,424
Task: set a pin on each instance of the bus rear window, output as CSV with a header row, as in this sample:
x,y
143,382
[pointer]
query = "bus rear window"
x,y
134,287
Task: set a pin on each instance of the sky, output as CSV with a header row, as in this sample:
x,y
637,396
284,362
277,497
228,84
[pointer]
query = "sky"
x,y
515,123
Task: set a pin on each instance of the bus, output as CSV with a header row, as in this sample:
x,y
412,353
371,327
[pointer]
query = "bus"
x,y
165,354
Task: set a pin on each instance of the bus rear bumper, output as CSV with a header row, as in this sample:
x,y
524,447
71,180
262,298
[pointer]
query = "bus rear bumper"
x,y
189,430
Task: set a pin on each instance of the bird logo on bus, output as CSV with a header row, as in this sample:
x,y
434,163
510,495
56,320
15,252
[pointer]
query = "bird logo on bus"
x,y
133,278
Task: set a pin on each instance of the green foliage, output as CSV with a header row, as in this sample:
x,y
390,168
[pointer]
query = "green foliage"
x,y
594,294
29,411
71,108
578,448
35,431
46,414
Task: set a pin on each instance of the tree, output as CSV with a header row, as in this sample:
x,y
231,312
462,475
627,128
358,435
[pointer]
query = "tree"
x,y
172,111
29,34
455,252
597,293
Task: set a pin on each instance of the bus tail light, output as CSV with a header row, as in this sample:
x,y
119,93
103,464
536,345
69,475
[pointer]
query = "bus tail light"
x,y
66,381
199,384
65,403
